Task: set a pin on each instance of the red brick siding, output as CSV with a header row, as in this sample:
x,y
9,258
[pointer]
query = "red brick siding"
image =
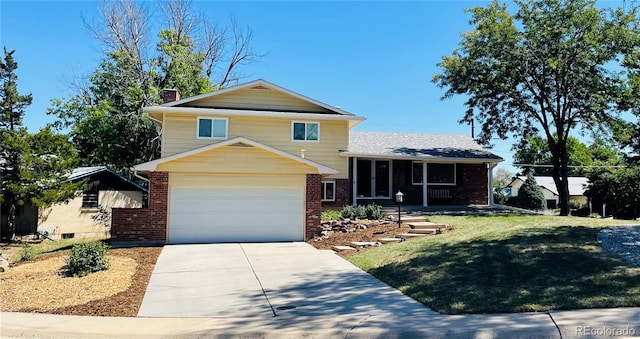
x,y
314,206
144,224
343,195
472,187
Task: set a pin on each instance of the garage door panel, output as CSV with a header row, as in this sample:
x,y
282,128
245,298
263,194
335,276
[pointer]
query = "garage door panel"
x,y
235,215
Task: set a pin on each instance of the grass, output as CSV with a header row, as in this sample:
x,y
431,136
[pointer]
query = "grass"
x,y
492,264
16,252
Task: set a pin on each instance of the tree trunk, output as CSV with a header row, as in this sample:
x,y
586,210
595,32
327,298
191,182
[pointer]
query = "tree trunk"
x,y
11,222
560,174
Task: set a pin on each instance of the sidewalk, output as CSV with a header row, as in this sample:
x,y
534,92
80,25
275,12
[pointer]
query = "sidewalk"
x,y
609,323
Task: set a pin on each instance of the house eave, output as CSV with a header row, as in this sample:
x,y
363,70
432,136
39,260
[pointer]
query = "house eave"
x,y
421,158
158,110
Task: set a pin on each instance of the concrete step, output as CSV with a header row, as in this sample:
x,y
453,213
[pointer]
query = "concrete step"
x,y
425,224
409,219
389,240
412,235
339,248
424,231
362,243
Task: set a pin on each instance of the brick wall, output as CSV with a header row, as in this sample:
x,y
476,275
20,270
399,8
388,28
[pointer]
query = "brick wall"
x,y
474,185
343,195
314,206
144,224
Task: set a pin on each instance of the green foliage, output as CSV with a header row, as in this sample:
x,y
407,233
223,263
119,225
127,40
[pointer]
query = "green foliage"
x,y
619,189
500,198
348,212
106,118
361,212
536,151
329,215
34,166
87,258
370,211
530,195
27,253
536,71
374,212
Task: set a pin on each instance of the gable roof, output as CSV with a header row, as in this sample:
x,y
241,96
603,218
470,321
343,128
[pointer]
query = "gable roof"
x,y
420,146
152,165
257,84
83,172
326,112
577,185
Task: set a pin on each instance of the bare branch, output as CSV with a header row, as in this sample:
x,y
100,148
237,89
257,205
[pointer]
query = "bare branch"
x,y
241,54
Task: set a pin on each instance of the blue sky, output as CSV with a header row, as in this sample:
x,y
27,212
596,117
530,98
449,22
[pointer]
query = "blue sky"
x,y
374,59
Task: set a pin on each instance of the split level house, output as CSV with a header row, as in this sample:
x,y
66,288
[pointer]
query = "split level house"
x,y
258,162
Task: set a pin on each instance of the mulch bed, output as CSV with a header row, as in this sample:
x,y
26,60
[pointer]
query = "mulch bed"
x,y
121,304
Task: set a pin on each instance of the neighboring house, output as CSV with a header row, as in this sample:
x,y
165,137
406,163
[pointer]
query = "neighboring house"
x,y
76,218
258,162
577,187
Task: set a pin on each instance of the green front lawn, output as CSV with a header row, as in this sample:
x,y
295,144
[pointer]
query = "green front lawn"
x,y
491,264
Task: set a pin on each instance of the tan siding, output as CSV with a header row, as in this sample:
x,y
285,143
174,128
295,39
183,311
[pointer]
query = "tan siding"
x,y
258,99
180,136
233,159
206,180
72,218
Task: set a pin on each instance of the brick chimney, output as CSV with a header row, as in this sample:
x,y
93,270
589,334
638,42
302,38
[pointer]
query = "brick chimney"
x,y
170,95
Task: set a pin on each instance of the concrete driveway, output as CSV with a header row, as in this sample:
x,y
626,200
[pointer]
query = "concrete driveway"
x,y
266,280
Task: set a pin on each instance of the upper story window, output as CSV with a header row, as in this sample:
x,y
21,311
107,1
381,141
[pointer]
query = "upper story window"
x,y
213,128
305,131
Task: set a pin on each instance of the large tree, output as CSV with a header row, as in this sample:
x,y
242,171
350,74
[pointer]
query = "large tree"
x,y
33,167
550,68
191,54
535,154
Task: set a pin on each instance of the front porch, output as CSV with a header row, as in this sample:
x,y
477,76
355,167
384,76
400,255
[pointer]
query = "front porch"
x,y
423,183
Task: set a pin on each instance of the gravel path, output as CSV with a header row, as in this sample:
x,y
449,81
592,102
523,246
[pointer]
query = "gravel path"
x,y
623,241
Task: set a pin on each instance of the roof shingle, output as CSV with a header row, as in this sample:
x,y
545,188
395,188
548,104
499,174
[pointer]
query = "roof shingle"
x,y
419,145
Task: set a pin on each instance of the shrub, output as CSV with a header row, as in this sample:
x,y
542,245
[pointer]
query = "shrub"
x,y
374,212
530,195
348,212
361,212
87,258
27,253
329,215
575,204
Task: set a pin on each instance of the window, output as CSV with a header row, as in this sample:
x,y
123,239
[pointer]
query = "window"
x,y
90,200
438,174
328,191
305,131
212,128
416,173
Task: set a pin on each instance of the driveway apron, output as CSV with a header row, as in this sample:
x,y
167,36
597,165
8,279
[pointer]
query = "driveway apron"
x,y
266,280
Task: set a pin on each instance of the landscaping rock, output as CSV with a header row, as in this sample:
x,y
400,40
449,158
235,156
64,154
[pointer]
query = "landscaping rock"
x,y
4,264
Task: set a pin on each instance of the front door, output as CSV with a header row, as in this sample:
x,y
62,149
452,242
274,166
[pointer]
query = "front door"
x,y
374,178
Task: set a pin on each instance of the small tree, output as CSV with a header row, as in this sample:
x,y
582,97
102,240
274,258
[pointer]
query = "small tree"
x,y
530,195
33,167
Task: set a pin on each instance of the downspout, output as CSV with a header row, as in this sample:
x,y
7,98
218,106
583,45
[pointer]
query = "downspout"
x,y
135,174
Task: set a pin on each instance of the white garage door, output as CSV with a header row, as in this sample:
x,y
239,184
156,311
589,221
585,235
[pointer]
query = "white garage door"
x,y
235,215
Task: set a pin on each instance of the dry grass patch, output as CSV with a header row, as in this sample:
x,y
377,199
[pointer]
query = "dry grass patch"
x,y
42,286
